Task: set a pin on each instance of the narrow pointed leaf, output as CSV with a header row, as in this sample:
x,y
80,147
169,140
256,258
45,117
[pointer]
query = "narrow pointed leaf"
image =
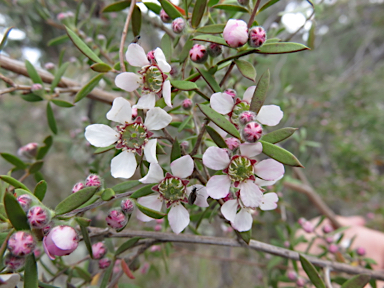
x,y
278,135
88,87
58,40
211,81
116,6
144,191
75,200
126,269
126,245
268,4
358,281
219,141
281,48
62,103
31,97
170,9
104,149
246,235
30,274
198,12
43,150
17,162
35,167
312,273
185,50
176,150
83,274
87,239
153,7
211,38
108,194
107,275
280,154
260,93
15,213
101,67
230,7
184,85
51,119
125,186
246,69
166,46
15,183
219,120
184,123
58,76
35,77
5,37
150,212
311,36
136,21
82,46
40,190
212,29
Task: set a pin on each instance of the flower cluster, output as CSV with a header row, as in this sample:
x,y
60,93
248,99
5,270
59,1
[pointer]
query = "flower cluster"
x,y
236,34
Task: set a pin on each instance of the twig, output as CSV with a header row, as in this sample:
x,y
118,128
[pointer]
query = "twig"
x,y
199,138
227,73
252,18
124,35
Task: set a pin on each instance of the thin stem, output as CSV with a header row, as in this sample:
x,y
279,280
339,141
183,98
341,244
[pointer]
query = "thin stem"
x,y
227,73
254,11
124,35
199,138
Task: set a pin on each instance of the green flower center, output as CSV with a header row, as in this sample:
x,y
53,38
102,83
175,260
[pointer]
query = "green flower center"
x,y
153,78
240,169
237,110
133,137
172,189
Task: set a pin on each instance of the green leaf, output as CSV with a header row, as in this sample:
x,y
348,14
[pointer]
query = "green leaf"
x,y
311,272
136,21
104,149
212,2
260,93
116,6
108,194
40,190
30,274
87,239
219,120
219,141
176,150
144,191
278,135
281,48
166,46
5,37
75,200
82,46
31,97
184,123
311,36
15,183
198,12
183,85
82,221
211,81
125,186
58,40
230,7
88,87
43,150
280,154
246,69
15,213
150,212
126,245
36,166
246,235
266,5
357,281
211,29
51,119
170,9
272,40
185,50
17,162
107,275
35,77
211,38
58,76
62,103
101,67
83,274
153,7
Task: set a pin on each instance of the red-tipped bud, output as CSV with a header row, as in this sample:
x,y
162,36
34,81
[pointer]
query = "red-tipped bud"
x,y
93,180
60,241
198,53
164,16
300,282
333,248
99,250
134,111
38,217
116,219
25,201
187,104
178,25
158,228
214,50
308,227
327,229
151,56
246,117
232,143
14,263
28,151
292,275
36,86
231,92
257,36
360,251
104,263
252,132
235,33
49,66
78,187
127,206
21,243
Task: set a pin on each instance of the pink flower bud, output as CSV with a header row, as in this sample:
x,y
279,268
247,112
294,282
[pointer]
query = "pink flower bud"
x,y
134,111
93,180
127,206
159,221
101,37
252,132
14,263
257,36
308,227
232,143
88,40
60,241
360,251
300,282
77,187
61,16
151,56
214,50
36,86
178,25
116,219
286,244
117,266
198,53
164,16
292,275
247,116
327,229
231,92
155,248
25,201
144,268
49,66
37,252
21,243
235,33
301,221
333,248
158,228
185,145
28,151
104,263
99,250
38,217
187,104
329,239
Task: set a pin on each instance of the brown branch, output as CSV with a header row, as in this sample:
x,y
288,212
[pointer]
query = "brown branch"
x,y
124,35
252,18
227,73
199,138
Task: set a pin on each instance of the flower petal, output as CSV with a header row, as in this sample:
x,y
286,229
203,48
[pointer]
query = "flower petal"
x,y
221,132
222,103
146,101
136,55
269,201
250,194
229,210
182,167
155,174
178,218
157,119
243,221
269,169
161,61
218,186
121,111
216,158
123,165
152,202
128,81
167,93
248,94
261,183
100,135
150,151
251,149
270,115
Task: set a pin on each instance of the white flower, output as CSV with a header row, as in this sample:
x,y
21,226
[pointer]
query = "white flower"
x,y
131,136
151,77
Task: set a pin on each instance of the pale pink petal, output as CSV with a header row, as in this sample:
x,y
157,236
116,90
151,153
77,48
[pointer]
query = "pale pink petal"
x,y
250,194
167,93
146,101
221,103
136,55
121,111
201,195
218,186
248,94
157,119
123,165
270,115
150,151
216,158
182,167
128,81
100,135
178,218
218,129
243,221
251,149
155,174
269,201
153,202
262,183
161,61
229,210
269,169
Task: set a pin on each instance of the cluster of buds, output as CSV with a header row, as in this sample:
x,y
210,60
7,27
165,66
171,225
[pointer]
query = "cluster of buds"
x,y
118,218
20,245
236,34
199,53
92,180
